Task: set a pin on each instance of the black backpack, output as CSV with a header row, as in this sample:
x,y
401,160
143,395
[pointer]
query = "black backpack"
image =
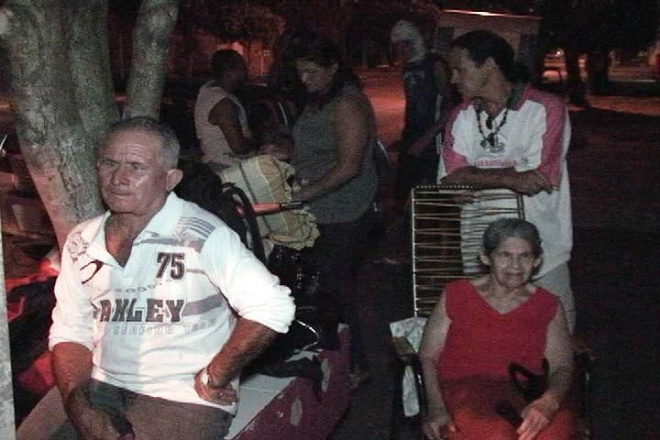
x,y
201,185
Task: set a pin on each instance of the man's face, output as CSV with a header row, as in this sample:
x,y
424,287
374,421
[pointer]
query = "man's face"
x,y
132,175
315,77
470,79
404,50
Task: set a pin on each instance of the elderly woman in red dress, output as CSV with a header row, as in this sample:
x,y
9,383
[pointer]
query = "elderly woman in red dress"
x,y
482,326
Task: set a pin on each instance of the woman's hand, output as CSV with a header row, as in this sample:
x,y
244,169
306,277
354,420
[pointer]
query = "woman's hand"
x,y
537,416
281,148
436,425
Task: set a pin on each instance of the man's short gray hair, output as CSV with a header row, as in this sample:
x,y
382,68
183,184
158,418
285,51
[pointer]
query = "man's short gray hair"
x,y
171,146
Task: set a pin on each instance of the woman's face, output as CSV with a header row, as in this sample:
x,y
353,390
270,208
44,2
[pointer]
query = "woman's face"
x,y
315,77
512,263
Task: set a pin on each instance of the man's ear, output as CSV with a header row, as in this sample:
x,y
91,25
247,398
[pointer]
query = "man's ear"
x,y
490,63
485,259
537,262
173,178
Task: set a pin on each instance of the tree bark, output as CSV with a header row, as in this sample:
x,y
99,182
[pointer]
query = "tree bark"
x,y
63,97
6,391
56,149
156,21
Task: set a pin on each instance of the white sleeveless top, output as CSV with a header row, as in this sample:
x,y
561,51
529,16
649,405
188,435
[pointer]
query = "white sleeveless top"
x,y
212,140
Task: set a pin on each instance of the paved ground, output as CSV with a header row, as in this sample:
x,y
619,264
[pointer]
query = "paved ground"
x,y
613,165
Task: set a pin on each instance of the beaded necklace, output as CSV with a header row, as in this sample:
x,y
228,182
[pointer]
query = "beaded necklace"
x,y
490,142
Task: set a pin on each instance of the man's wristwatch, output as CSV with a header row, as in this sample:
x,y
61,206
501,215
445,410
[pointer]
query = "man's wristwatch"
x,y
206,379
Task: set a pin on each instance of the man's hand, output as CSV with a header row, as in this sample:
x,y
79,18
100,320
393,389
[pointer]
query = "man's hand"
x,y
417,148
222,395
436,426
537,416
530,183
90,423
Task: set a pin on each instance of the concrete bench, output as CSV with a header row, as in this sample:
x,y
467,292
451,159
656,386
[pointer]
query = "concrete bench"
x,y
270,408
288,409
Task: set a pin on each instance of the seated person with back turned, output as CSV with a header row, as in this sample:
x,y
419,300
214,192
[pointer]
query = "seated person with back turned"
x,y
479,328
159,305
220,119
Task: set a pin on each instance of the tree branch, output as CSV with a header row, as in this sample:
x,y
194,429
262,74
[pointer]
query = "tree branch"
x,y
156,21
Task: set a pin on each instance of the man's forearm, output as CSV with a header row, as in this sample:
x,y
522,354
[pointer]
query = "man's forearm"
x,y
429,136
490,178
246,342
72,365
529,182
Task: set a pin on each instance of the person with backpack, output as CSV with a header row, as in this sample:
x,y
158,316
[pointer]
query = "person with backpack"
x,y
429,97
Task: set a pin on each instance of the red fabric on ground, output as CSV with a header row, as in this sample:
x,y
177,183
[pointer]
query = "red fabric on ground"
x,y
39,378
472,405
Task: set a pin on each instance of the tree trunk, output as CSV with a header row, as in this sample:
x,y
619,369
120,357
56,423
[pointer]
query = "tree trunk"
x,y
156,21
63,96
50,128
6,392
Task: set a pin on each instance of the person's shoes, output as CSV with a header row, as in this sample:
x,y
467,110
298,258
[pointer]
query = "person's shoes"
x,y
329,337
359,377
391,261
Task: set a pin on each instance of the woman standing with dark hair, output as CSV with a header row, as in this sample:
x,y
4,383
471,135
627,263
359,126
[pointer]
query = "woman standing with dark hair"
x,y
333,157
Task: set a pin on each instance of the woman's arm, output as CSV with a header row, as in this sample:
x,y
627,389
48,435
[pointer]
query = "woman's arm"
x,y
433,342
558,351
351,123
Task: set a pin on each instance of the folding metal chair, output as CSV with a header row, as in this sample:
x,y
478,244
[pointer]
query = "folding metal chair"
x,y
447,226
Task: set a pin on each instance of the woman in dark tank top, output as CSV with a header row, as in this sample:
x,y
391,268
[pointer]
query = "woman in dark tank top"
x,y
333,157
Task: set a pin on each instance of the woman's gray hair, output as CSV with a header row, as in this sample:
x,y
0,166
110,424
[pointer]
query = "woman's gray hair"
x,y
170,147
405,31
504,228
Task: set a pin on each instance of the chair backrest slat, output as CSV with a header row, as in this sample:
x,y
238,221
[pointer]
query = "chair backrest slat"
x,y
448,222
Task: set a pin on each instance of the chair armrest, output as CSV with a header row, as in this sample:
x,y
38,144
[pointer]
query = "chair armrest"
x,y
403,350
582,354
409,358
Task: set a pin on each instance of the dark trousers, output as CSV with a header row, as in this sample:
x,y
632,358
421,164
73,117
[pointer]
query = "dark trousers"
x,y
414,170
151,418
335,253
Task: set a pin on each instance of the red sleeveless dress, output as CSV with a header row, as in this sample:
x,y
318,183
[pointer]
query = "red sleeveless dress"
x,y
480,345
